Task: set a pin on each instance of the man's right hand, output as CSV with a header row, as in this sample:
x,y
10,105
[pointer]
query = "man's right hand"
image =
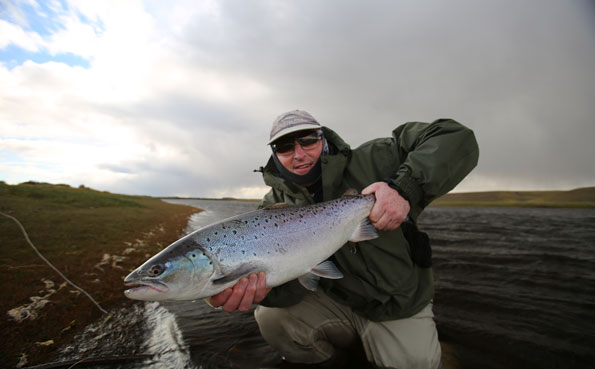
x,y
246,292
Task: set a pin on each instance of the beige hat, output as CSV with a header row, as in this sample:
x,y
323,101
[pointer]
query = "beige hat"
x,y
292,121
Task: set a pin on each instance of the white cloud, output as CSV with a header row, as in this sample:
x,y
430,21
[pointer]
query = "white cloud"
x,y
178,96
12,34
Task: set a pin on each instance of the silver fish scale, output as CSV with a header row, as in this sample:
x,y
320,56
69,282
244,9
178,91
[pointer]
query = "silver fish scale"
x,y
275,234
285,243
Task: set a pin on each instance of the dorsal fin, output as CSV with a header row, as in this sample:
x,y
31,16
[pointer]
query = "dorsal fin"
x,y
278,205
351,192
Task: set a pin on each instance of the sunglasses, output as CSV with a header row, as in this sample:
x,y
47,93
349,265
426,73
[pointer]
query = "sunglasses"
x,y
287,145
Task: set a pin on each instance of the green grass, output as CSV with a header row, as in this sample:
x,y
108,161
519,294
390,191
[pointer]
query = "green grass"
x,y
578,198
73,228
82,197
62,220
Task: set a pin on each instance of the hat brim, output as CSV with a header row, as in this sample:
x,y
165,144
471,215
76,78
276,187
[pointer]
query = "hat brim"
x,y
299,127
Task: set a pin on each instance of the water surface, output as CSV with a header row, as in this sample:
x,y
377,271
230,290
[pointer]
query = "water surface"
x,y
514,289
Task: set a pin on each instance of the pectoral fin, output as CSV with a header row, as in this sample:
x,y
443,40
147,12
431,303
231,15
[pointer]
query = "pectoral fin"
x,y
309,281
365,231
327,269
236,274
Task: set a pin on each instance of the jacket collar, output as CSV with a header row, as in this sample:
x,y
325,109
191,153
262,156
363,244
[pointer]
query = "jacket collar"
x,y
333,166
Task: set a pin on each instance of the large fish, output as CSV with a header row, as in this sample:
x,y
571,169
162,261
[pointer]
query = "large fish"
x,y
284,242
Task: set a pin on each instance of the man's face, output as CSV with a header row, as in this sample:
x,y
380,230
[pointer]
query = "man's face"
x,y
299,152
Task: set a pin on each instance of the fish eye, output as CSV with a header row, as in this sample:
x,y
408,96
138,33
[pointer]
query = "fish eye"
x,y
156,270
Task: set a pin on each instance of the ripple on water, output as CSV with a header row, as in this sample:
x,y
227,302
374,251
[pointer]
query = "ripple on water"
x,y
146,333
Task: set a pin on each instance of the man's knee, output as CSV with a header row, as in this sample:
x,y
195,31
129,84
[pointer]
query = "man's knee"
x,y
270,322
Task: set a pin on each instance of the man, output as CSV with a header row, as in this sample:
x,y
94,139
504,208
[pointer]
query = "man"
x,y
384,299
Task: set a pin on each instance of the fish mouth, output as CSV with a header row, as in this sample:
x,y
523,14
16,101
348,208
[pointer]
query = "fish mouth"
x,y
144,285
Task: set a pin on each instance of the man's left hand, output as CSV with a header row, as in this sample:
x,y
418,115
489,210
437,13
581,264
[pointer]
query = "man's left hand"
x,y
390,209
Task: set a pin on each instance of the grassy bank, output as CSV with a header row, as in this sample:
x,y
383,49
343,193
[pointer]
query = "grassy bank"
x,y
578,198
94,238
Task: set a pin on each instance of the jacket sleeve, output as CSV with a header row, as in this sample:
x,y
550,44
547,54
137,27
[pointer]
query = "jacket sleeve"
x,y
434,159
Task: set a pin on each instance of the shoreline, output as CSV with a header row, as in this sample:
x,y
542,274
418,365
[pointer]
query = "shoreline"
x,y
42,313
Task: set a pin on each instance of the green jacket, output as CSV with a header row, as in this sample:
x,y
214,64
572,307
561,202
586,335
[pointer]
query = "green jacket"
x,y
423,160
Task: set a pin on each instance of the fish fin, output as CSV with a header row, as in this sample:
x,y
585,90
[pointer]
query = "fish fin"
x,y
236,274
309,281
279,205
364,231
351,192
327,269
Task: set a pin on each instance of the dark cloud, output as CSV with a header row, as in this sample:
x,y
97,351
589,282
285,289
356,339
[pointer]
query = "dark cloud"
x,y
519,73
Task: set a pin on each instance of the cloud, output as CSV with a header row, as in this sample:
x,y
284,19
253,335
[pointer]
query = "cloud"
x,y
181,102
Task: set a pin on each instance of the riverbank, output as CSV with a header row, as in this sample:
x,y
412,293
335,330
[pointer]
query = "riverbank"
x,y
580,198
94,238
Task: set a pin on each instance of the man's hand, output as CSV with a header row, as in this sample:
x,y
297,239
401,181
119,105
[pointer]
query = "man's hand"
x,y
248,291
390,209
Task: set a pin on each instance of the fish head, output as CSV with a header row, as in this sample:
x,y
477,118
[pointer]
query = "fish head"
x,y
171,275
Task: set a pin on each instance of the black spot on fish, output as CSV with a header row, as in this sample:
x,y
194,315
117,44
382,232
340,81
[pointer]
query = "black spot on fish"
x,y
243,252
208,239
193,255
254,253
234,231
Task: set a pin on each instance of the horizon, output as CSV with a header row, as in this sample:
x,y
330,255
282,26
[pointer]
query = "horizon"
x,y
181,104
83,186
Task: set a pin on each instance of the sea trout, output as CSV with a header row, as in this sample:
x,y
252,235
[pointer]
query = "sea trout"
x,y
284,242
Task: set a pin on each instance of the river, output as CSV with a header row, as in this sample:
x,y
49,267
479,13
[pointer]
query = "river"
x,y
514,289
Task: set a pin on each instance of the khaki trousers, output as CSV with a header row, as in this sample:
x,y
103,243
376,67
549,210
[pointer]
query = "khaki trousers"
x,y
311,331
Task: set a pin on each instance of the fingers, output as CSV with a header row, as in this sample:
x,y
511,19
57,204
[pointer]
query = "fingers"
x,y
390,208
261,288
248,297
235,299
371,188
220,298
246,292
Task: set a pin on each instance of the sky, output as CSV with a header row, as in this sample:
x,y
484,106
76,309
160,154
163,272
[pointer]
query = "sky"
x,y
177,98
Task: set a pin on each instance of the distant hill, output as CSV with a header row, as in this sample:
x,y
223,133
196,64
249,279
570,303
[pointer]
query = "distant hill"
x,y
578,198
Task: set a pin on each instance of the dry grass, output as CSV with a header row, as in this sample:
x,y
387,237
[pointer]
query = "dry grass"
x,y
84,233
